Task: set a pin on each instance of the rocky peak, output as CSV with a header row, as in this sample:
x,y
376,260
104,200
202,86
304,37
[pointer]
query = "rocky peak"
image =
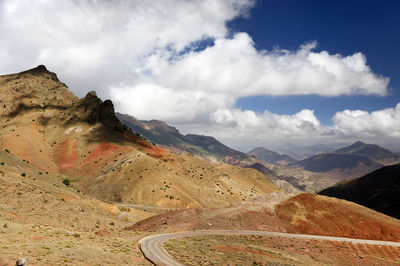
x,y
99,111
42,71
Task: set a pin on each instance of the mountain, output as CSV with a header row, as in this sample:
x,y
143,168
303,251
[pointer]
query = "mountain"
x,y
287,178
55,132
371,151
162,134
379,190
303,152
73,178
271,156
341,166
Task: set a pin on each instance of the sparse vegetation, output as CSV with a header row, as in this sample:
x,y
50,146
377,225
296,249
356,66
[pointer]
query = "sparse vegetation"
x,y
66,182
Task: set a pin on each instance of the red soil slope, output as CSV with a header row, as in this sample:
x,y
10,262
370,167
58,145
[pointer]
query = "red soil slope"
x,y
66,155
304,213
313,214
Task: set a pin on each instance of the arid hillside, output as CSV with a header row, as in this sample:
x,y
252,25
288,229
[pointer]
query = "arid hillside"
x,y
49,223
303,213
321,215
73,179
208,148
379,190
45,125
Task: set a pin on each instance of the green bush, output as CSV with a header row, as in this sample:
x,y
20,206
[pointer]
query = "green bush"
x,y
66,182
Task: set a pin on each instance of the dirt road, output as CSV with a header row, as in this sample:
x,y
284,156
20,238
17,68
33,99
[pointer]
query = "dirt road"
x,y
152,246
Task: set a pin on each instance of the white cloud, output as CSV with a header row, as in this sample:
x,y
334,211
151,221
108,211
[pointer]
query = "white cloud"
x,y
143,54
97,44
234,66
382,123
246,129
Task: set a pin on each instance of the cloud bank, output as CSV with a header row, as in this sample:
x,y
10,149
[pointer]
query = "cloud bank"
x,y
149,58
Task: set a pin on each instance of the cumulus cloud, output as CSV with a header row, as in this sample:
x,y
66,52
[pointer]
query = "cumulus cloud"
x,y
244,129
148,56
98,44
381,123
233,68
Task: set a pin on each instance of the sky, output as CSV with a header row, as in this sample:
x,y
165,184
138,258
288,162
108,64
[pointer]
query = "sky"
x,y
250,73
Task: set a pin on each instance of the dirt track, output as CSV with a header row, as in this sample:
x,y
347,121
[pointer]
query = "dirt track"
x,y
152,246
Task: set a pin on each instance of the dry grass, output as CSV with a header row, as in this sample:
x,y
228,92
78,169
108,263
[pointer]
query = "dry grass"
x,y
258,250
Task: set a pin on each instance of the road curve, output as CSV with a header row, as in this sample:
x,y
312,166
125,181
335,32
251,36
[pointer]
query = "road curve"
x,y
153,250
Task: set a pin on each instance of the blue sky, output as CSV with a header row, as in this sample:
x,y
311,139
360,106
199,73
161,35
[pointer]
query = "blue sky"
x,y
248,72
342,26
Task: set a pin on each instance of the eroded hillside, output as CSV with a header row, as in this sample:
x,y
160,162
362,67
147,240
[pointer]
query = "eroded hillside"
x,y
52,130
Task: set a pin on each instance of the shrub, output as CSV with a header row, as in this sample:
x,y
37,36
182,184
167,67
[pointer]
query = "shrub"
x,y
66,182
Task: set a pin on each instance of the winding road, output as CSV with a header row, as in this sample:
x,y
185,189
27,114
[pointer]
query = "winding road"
x,y
153,250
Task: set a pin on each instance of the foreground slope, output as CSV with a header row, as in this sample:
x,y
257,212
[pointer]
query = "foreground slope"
x,y
379,190
48,223
263,248
303,213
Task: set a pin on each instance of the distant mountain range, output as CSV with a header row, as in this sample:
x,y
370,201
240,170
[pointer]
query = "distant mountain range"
x,y
371,151
271,156
349,162
345,163
341,166
303,152
379,190
208,147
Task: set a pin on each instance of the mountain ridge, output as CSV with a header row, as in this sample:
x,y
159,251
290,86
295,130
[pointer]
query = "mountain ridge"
x,y
159,132
371,151
341,166
271,156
